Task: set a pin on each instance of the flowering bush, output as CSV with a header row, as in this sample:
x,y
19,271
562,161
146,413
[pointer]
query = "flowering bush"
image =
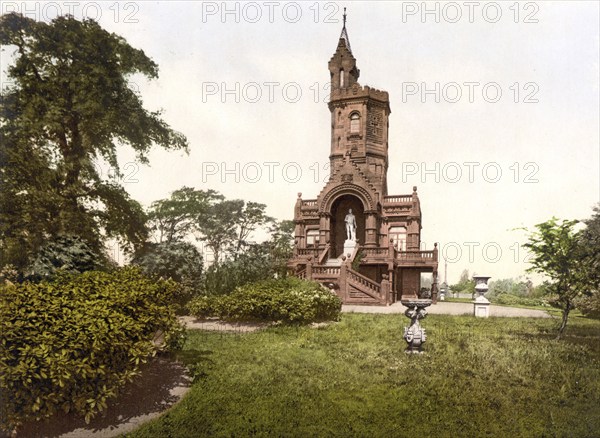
x,y
289,300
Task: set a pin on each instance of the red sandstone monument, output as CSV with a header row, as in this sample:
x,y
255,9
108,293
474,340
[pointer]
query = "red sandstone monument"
x,y
355,238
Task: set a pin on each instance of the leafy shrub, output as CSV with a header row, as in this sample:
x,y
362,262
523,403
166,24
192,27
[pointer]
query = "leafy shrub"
x,y
513,300
66,254
589,305
71,344
256,264
177,260
180,261
289,300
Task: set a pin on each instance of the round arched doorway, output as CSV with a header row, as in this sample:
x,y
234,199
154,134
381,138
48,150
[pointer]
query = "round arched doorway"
x,y
339,209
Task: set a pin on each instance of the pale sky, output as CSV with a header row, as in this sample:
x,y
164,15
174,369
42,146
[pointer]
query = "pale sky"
x,y
247,84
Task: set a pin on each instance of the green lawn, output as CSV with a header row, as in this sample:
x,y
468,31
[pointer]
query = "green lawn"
x,y
496,377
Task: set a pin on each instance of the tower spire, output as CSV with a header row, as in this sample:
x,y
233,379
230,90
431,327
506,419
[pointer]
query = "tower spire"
x,y
344,34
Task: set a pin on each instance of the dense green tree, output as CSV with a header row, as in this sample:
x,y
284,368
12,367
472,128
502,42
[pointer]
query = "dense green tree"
x,y
179,261
68,105
557,253
589,239
281,245
64,254
218,227
465,285
257,262
509,286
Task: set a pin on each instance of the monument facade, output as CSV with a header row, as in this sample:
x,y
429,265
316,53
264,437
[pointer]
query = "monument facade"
x,y
354,237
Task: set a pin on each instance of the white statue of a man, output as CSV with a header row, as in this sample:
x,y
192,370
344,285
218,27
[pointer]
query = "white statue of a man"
x,y
350,226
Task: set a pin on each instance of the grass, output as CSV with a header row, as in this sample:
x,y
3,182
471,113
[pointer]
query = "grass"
x,y
480,377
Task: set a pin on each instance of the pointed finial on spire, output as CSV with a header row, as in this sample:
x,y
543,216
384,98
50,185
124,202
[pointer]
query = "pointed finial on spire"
x,y
344,34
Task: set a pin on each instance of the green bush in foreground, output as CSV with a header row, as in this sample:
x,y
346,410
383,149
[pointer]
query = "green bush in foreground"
x,y
289,300
71,344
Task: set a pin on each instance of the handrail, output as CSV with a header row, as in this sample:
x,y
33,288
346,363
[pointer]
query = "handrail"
x,y
326,270
324,253
365,281
306,251
415,255
376,251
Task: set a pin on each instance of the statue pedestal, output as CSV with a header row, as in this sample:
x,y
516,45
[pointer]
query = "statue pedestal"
x,y
349,246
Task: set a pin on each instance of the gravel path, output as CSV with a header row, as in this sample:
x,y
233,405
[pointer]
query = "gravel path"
x,y
446,308
161,384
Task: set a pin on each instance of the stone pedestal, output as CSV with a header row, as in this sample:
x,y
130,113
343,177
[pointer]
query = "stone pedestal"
x,y
481,307
415,335
349,246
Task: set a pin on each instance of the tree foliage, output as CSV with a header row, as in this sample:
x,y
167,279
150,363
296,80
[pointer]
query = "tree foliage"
x,y
69,254
179,261
465,285
589,239
69,104
257,262
223,225
175,218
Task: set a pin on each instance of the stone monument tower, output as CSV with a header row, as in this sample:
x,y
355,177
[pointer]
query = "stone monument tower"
x,y
354,237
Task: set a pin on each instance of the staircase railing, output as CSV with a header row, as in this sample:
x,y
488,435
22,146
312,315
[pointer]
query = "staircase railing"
x,y
364,281
324,253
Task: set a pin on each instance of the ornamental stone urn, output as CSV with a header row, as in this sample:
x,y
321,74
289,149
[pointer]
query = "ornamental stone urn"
x,y
481,305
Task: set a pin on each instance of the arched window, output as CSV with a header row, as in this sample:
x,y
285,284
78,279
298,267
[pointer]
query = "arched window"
x,y
341,78
399,236
354,123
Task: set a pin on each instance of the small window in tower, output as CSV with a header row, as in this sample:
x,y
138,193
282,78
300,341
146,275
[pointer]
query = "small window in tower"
x,y
341,78
355,123
312,237
339,142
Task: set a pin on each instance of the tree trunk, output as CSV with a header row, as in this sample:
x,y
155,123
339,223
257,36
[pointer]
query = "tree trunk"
x,y
565,317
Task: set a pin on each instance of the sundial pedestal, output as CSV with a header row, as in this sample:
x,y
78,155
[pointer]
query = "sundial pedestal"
x,y
415,335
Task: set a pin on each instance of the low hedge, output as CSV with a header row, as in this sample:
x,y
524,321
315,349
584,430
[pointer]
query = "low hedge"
x,y
513,300
72,343
288,300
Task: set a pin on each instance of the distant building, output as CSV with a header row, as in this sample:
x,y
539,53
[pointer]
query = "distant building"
x,y
355,238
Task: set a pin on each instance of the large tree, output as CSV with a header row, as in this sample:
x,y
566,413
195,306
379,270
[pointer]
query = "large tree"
x,y
250,217
557,253
69,104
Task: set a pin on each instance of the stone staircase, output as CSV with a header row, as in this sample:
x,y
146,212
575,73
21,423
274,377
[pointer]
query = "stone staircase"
x,y
350,285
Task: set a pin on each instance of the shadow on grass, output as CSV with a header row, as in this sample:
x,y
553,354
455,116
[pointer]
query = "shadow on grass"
x,y
577,334
161,384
